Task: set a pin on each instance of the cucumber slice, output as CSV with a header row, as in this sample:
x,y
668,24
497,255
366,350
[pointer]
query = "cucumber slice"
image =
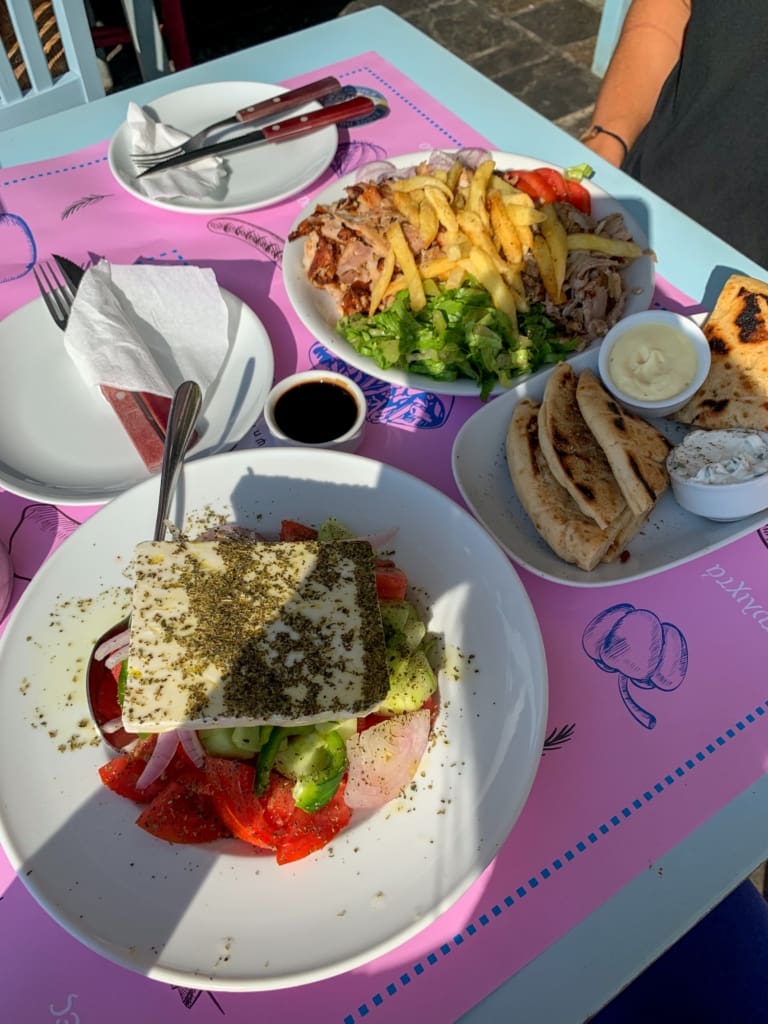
x,y
219,743
411,682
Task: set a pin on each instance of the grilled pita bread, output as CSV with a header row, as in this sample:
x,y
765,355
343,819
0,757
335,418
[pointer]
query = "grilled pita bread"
x,y
635,450
574,457
623,537
735,393
576,538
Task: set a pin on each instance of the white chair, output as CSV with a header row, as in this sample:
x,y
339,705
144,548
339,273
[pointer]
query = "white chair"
x,y
611,22
48,95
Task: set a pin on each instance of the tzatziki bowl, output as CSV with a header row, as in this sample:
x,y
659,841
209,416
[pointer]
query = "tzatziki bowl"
x,y
654,362
721,474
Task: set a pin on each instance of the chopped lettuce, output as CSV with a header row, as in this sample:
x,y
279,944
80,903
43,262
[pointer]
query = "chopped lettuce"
x,y
458,334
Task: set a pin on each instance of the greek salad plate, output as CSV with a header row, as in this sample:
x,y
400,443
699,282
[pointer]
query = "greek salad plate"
x,y
670,537
61,443
222,915
317,309
257,176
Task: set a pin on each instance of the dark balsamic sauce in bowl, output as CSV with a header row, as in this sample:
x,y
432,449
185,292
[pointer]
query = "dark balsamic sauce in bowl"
x,y
316,412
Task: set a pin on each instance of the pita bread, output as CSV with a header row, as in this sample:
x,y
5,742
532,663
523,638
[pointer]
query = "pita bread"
x,y
635,450
576,538
575,459
735,393
623,537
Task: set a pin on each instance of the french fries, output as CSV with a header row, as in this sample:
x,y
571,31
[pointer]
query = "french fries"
x,y
405,260
382,282
556,238
504,230
482,266
599,243
475,222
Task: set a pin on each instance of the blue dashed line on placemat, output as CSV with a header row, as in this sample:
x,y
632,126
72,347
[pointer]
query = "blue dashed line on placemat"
x,y
485,919
409,103
53,172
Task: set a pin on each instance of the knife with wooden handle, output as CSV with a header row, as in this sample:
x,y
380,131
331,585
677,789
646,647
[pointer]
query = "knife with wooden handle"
x,y
282,102
278,131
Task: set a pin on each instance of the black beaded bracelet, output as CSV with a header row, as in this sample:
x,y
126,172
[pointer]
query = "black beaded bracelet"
x,y
597,129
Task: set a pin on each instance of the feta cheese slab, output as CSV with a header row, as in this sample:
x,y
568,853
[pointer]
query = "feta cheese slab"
x,y
232,632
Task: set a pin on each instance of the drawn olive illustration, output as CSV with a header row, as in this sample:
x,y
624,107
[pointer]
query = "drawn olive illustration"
x,y
640,649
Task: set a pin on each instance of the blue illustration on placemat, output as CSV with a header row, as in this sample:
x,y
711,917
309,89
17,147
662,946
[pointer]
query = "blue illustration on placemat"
x,y
67,1014
557,738
38,522
17,245
348,92
189,996
356,153
386,402
82,204
261,238
640,649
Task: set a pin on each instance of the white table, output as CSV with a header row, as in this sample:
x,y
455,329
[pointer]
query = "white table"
x,y
598,957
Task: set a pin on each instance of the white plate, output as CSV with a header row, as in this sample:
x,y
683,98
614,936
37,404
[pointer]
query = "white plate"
x,y
60,442
259,176
670,537
221,915
318,312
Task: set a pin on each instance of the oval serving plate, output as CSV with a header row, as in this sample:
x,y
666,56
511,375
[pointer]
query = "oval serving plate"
x,y
317,310
670,537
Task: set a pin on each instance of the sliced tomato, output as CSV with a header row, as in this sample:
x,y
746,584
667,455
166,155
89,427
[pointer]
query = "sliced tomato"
x,y
305,833
432,705
533,184
578,196
230,785
273,821
369,720
121,775
290,529
123,772
391,582
180,814
279,803
104,692
556,182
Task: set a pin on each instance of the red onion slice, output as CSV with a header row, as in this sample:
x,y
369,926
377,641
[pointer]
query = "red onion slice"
x,y
376,171
161,757
473,157
114,643
118,657
193,748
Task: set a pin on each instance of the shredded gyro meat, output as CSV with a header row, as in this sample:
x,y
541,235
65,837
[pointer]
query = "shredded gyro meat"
x,y
345,245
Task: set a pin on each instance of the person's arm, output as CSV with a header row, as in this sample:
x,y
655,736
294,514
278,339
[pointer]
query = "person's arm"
x,y
649,46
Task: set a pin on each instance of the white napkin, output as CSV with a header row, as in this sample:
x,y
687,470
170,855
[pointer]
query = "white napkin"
x,y
200,178
147,328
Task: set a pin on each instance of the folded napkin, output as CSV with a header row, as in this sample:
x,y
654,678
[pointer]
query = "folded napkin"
x,y
138,331
193,180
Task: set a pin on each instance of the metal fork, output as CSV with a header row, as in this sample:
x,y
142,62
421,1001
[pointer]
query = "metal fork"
x,y
265,110
57,294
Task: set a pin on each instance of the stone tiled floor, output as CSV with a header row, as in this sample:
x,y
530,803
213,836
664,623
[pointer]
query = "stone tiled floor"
x,y
540,52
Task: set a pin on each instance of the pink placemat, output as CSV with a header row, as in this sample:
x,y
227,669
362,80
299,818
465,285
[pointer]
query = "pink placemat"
x,y
624,775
